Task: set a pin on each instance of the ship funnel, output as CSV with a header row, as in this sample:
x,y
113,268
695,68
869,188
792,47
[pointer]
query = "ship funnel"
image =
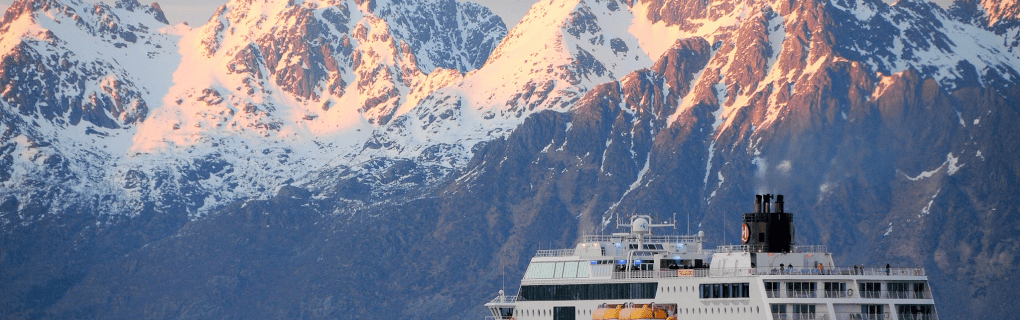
x,y
766,230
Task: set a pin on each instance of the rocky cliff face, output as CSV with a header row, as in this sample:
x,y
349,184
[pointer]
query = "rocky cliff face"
x,y
341,159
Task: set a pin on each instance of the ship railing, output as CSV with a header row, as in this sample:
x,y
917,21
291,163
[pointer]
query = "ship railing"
x,y
750,272
801,294
884,294
846,271
907,316
761,248
862,316
556,253
497,318
799,316
837,294
646,239
671,273
506,299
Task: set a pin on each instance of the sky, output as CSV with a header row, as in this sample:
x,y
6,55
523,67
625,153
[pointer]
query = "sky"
x,y
197,12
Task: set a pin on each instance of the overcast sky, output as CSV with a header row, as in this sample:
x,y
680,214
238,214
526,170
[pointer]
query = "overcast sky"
x,y
197,12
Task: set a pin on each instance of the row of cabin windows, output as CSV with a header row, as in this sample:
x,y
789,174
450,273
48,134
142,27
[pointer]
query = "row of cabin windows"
x,y
799,309
906,311
899,290
725,290
564,310
600,291
841,286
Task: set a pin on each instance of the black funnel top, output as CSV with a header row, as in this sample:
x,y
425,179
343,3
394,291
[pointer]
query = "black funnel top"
x,y
768,228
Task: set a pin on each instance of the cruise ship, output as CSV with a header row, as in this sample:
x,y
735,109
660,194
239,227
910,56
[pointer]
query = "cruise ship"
x,y
643,275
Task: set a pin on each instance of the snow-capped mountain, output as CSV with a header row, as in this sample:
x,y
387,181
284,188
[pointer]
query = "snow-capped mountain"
x,y
288,86
347,128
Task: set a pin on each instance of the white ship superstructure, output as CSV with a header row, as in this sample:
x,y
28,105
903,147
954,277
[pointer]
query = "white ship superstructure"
x,y
641,275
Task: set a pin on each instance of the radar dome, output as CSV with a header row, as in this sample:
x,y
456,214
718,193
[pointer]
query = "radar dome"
x,y
640,225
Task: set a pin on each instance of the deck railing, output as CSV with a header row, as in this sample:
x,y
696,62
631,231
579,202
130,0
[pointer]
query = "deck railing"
x,y
836,294
800,316
801,294
846,271
749,272
759,248
506,299
556,253
862,316
646,239
885,294
904,316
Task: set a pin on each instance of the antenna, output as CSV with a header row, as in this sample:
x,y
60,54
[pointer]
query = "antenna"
x,y
688,223
504,279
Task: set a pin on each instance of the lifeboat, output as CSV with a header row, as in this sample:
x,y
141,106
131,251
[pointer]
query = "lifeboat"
x,y
612,313
648,312
626,312
632,311
600,313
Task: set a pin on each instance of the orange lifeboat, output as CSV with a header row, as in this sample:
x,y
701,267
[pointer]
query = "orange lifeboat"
x,y
625,313
612,313
648,312
600,313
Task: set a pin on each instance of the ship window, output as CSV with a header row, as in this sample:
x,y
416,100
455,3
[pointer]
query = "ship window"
x,y
780,310
899,290
543,270
559,270
800,289
804,311
563,313
614,291
915,311
872,309
724,290
570,270
582,270
870,289
835,290
772,289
